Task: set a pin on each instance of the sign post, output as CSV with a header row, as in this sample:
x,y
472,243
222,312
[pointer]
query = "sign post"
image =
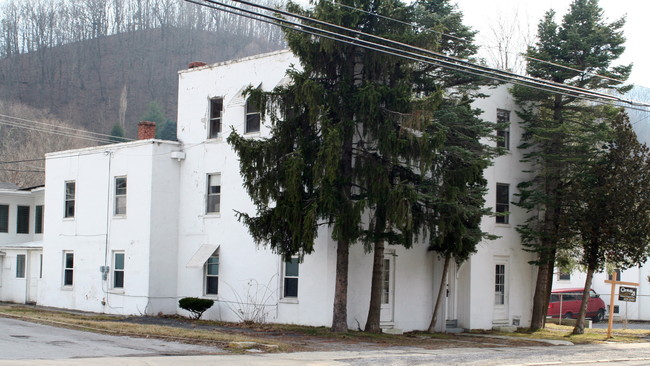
x,y
614,282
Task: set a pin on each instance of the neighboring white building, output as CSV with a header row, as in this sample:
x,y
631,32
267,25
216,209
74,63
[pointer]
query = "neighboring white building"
x,y
639,310
133,227
21,232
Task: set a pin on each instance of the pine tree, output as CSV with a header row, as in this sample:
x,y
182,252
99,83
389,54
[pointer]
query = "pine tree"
x,y
552,126
611,196
355,135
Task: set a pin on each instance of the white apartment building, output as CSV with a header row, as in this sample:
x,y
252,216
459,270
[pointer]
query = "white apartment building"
x,y
21,232
131,228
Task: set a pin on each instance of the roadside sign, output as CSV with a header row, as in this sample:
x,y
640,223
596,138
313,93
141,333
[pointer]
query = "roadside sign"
x,y
627,294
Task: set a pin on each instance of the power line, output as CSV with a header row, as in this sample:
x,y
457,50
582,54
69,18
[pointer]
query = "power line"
x,y
72,129
54,130
433,58
21,161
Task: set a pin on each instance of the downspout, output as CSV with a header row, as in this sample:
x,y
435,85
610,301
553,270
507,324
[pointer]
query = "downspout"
x,y
108,226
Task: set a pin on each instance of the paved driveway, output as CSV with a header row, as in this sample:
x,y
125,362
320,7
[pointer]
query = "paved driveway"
x,y
21,340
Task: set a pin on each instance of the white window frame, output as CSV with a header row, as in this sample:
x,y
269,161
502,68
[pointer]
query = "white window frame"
x,y
67,269
117,270
69,199
20,217
120,196
251,112
39,219
21,265
213,194
503,134
290,276
5,223
207,275
502,206
216,119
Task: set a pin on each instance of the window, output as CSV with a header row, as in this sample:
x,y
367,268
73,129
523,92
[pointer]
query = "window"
x,y
4,218
618,274
503,128
500,284
214,193
38,219
385,282
120,195
252,117
118,270
291,278
20,266
216,108
564,276
22,220
503,203
212,275
68,268
69,199
40,269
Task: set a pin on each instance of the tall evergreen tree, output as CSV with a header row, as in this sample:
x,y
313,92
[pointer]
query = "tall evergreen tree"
x,y
611,196
354,134
587,46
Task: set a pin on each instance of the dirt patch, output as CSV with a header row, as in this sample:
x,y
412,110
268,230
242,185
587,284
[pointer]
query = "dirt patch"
x,y
321,339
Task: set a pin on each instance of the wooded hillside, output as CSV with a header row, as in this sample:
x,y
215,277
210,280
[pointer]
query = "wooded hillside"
x,y
95,63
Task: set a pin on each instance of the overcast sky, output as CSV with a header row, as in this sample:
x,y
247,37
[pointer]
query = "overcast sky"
x,y
483,14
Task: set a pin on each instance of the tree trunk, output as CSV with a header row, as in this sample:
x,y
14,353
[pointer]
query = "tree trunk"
x,y
443,283
340,315
374,311
591,267
539,300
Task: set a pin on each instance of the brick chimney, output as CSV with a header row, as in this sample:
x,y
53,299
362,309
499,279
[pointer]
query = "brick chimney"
x,y
146,130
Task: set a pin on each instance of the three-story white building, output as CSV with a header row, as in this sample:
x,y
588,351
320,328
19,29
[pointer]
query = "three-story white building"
x,y
133,227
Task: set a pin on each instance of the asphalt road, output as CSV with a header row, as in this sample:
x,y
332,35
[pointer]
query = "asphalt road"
x,y
23,343
21,340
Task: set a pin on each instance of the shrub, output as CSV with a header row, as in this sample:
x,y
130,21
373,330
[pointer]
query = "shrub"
x,y
195,305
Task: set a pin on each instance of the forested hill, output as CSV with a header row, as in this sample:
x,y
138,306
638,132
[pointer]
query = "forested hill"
x,y
95,63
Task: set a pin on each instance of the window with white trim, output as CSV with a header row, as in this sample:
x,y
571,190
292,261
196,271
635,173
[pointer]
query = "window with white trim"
x,y
70,188
118,270
38,219
564,275
22,220
4,218
68,268
212,274
503,128
20,266
499,284
213,199
120,196
503,203
216,109
253,117
290,281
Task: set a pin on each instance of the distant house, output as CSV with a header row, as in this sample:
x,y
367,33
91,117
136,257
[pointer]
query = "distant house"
x,y
638,310
130,228
21,232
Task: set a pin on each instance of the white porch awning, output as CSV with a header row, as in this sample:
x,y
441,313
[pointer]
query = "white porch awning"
x,y
201,256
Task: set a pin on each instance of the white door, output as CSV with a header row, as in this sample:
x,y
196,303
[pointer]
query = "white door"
x,y
501,283
34,272
388,289
451,293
